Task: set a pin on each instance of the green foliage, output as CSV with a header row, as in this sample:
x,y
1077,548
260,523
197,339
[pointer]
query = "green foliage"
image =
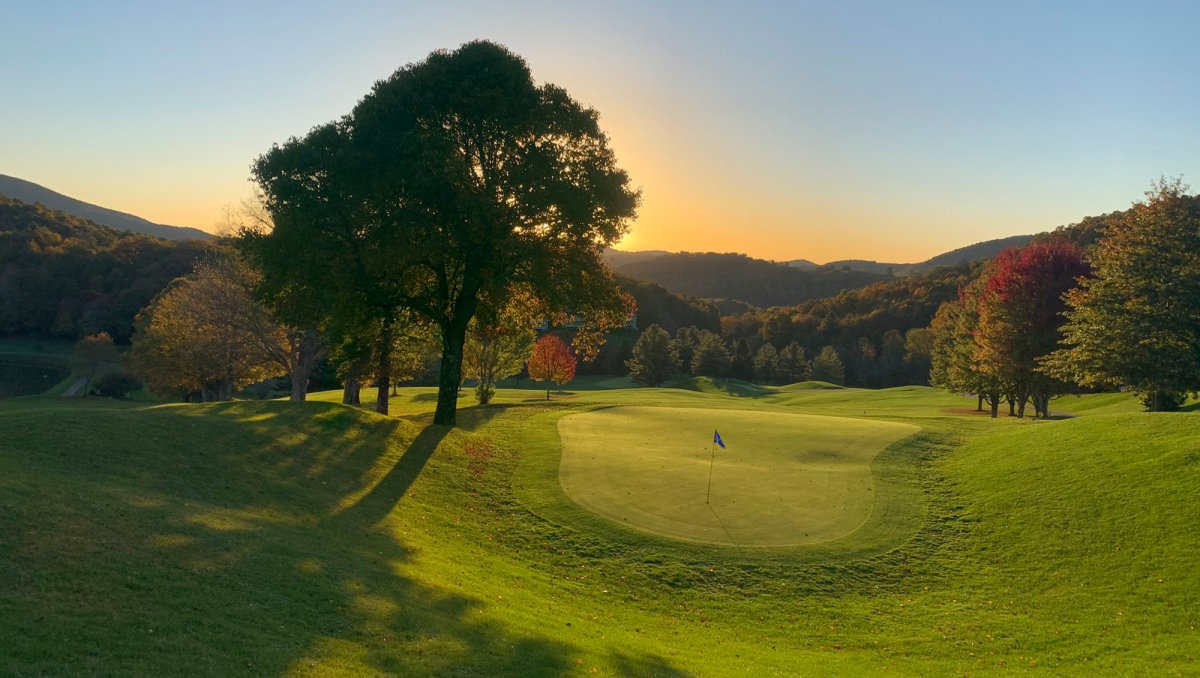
x,y
1137,322
497,349
711,358
92,354
870,312
793,365
766,365
115,385
453,185
684,347
828,367
653,361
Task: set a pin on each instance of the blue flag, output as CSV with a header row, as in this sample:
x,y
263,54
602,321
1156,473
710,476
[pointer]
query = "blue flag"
x,y
717,439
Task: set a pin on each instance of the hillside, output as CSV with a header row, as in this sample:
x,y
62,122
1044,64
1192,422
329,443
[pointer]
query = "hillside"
x,y
741,278
859,323
29,192
274,538
64,276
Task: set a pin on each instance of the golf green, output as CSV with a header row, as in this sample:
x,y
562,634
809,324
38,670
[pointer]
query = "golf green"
x,y
783,479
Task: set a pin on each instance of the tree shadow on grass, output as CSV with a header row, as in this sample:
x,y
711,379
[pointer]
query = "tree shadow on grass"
x,y
223,554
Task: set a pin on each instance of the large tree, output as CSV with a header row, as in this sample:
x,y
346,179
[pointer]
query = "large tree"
x,y
1137,322
827,366
451,184
953,364
204,334
1020,313
653,361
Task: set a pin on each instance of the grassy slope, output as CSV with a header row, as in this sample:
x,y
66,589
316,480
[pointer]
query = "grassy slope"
x,y
268,538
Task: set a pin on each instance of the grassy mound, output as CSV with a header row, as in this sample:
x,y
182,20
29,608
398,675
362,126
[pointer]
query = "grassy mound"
x,y
784,479
274,538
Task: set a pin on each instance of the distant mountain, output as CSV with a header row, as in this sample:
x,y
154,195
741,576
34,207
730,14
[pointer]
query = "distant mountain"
x,y
29,192
804,264
618,258
963,255
741,278
981,250
987,249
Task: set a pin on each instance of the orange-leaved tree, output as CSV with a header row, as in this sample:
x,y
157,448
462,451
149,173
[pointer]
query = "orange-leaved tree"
x,y
551,361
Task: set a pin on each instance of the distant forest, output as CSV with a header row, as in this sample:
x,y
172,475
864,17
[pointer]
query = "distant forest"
x,y
66,277
62,276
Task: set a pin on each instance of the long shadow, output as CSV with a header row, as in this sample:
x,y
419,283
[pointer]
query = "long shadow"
x,y
383,497
165,562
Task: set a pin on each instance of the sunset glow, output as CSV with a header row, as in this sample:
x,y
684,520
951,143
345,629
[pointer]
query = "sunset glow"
x,y
888,132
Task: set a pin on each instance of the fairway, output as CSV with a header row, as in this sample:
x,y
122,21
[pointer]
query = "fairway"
x,y
784,479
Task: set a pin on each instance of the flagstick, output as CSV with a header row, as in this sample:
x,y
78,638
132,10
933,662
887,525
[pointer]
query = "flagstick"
x,y
710,468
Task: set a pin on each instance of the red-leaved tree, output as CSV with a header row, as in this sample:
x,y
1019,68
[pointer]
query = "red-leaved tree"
x,y
551,361
1020,317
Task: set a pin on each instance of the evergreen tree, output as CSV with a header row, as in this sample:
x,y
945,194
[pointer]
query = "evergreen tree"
x,y
827,366
684,346
766,364
741,365
711,358
793,366
653,361
1137,322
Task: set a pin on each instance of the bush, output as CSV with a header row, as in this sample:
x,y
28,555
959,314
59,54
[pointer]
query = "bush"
x,y
115,385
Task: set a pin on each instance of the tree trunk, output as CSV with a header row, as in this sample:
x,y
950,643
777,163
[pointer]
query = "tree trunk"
x,y
309,348
299,386
994,401
547,391
979,406
351,390
385,367
1022,398
225,390
454,337
1012,403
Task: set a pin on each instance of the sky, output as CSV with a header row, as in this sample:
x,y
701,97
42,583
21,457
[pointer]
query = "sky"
x,y
891,131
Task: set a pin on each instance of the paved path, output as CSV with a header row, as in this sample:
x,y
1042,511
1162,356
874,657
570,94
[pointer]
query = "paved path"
x,y
74,387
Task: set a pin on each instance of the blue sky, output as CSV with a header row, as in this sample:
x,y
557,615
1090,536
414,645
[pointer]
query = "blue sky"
x,y
889,131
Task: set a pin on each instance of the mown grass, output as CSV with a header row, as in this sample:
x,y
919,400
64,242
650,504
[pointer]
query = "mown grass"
x,y
275,538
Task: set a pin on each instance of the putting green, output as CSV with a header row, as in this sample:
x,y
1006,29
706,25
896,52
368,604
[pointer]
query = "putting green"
x,y
783,479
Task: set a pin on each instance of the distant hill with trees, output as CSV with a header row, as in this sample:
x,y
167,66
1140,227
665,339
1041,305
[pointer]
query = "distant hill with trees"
x,y
738,277
29,192
64,276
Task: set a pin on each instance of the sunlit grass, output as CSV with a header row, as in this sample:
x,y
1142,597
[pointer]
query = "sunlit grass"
x,y
315,539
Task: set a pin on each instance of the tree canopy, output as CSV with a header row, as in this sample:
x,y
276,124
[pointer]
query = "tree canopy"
x,y
452,184
1137,322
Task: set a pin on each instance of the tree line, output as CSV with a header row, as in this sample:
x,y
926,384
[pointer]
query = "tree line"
x,y
1054,317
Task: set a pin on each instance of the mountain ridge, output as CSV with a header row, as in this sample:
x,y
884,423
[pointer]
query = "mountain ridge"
x,y
32,193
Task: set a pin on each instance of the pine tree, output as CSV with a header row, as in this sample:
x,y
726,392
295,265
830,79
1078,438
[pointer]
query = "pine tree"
x,y
793,366
766,364
711,358
827,366
653,361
